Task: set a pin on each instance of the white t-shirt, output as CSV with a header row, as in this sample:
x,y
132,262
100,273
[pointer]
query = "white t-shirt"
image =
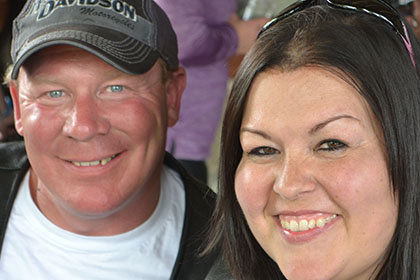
x,y
35,248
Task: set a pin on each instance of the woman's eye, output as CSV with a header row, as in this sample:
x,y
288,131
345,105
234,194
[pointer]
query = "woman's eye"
x,y
263,151
332,145
115,88
55,93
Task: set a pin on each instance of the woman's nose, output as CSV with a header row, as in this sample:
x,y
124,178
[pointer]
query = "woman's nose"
x,y
294,178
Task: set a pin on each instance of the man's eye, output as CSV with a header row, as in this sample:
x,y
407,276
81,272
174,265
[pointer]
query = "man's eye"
x,y
332,145
263,151
55,93
115,88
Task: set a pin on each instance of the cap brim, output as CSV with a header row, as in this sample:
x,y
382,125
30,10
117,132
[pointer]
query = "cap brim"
x,y
126,54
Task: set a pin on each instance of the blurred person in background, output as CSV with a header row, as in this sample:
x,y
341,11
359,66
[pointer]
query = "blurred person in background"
x,y
6,117
410,10
209,33
412,15
8,11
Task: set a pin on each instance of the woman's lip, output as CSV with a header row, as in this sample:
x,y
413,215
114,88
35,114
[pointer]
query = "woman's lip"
x,y
304,213
293,236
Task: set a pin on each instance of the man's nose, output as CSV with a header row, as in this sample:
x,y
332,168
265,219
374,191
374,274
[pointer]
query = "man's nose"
x,y
86,119
294,178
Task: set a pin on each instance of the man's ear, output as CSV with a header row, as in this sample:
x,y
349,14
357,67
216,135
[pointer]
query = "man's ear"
x,y
174,88
14,92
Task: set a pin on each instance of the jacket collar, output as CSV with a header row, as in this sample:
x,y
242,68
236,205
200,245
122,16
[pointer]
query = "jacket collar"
x,y
13,156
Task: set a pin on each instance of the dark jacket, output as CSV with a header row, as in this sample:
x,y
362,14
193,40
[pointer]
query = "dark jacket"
x,y
199,205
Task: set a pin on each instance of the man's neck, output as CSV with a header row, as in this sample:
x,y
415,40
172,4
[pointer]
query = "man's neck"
x,y
124,218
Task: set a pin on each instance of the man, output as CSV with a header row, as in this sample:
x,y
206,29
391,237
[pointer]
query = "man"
x,y
91,194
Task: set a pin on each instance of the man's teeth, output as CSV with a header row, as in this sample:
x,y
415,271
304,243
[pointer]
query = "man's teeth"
x,y
93,163
304,225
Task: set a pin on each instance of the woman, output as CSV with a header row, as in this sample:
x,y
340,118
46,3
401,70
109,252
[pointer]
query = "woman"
x,y
320,148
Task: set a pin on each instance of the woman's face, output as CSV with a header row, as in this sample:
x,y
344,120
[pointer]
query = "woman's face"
x,y
313,181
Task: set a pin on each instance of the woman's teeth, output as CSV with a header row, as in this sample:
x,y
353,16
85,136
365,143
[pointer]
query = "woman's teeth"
x,y
306,224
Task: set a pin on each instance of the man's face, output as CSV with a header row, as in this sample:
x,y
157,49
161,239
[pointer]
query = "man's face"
x,y
94,136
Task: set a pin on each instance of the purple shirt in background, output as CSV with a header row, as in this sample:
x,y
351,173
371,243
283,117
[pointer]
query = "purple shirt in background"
x,y
205,42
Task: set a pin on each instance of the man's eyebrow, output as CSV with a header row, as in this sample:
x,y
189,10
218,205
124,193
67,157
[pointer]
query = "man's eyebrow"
x,y
329,120
255,131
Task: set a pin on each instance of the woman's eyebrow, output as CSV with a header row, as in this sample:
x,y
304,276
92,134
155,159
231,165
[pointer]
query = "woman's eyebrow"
x,y
329,120
255,131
